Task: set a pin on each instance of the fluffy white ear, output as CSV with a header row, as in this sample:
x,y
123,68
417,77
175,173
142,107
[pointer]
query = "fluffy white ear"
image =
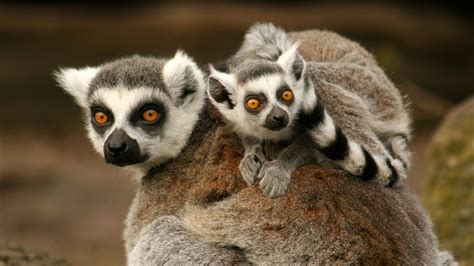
x,y
76,82
292,62
183,78
221,88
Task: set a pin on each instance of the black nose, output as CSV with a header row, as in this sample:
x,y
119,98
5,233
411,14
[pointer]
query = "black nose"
x,y
121,150
277,119
117,143
116,148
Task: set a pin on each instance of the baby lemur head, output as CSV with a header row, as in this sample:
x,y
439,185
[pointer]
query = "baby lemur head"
x,y
261,98
140,111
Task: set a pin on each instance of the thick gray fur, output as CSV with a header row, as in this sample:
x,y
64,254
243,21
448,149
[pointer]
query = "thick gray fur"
x,y
262,41
445,258
166,242
357,94
252,69
318,223
130,72
355,223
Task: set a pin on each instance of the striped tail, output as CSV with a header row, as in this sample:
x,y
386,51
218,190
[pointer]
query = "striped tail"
x,y
347,154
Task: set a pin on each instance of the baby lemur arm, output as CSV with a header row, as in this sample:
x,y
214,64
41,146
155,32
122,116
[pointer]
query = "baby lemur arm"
x,y
275,175
166,241
253,160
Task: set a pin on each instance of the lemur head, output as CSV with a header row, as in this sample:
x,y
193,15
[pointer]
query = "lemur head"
x,y
261,98
140,111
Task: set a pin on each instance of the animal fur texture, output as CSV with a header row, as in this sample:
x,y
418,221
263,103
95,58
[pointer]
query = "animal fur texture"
x,y
123,90
327,217
342,110
193,207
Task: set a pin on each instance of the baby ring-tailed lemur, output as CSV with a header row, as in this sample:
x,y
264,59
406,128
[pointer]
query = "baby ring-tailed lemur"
x,y
337,107
140,111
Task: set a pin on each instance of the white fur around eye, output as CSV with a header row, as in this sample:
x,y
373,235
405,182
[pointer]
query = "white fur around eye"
x,y
176,129
248,124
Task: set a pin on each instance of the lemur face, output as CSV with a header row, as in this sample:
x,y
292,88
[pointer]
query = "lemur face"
x,y
261,98
139,111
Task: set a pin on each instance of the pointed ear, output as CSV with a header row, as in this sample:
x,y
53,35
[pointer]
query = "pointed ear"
x,y
292,62
183,78
221,88
76,82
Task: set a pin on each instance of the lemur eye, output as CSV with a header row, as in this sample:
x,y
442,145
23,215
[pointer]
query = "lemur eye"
x,y
252,104
101,118
287,95
150,115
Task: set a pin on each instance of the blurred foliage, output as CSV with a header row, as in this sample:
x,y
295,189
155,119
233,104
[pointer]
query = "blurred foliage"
x,y
19,256
449,191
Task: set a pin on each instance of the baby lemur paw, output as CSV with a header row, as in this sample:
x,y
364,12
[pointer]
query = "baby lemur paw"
x,y
398,171
251,164
391,170
275,179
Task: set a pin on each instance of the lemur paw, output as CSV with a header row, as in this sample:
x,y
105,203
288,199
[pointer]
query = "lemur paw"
x,y
251,164
399,166
391,170
355,161
275,179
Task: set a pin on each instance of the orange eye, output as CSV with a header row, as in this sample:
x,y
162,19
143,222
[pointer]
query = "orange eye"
x,y
151,115
252,104
101,118
287,95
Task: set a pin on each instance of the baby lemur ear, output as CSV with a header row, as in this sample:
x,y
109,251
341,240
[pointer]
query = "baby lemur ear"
x,y
183,78
292,62
76,82
221,88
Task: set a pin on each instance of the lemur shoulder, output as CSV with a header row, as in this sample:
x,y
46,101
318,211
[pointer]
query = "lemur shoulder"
x,y
323,93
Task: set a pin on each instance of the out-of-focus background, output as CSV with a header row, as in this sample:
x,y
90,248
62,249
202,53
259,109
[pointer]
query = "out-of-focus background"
x,y
58,196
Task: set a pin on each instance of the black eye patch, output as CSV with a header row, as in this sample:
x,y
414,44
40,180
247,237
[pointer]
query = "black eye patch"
x,y
261,99
149,116
279,95
101,108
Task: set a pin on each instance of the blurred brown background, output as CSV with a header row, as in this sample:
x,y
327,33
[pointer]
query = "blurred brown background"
x,y
58,196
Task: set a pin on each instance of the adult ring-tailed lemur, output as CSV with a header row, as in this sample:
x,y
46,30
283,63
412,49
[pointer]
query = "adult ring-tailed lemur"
x,y
140,113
